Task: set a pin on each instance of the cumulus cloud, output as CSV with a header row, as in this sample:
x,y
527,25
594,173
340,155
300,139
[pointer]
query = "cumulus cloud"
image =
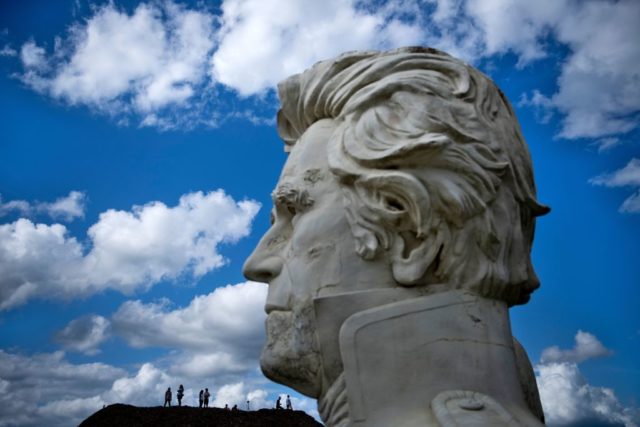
x,y
162,56
230,394
64,208
33,56
8,51
239,393
597,94
69,207
606,144
129,250
222,331
46,389
568,399
142,62
587,347
628,176
85,334
257,48
33,382
216,335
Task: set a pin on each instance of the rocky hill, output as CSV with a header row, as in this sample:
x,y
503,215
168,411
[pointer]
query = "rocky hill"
x,y
129,416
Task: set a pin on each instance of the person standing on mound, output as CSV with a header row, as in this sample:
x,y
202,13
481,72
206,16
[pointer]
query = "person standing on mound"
x,y
167,397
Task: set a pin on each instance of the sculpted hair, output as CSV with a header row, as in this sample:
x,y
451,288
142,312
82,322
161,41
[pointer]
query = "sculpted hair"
x,y
433,164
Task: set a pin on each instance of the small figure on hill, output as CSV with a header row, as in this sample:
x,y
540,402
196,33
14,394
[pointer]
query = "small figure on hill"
x,y
289,403
167,397
226,407
201,397
180,394
248,406
278,404
207,395
235,408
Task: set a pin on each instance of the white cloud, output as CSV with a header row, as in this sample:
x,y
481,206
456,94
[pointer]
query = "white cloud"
x,y
143,62
8,51
21,206
66,208
587,347
230,394
606,144
146,387
32,382
631,204
152,63
46,389
219,335
129,250
516,26
304,33
598,88
258,399
567,398
628,176
542,105
33,56
228,322
84,334
598,93
258,48
37,259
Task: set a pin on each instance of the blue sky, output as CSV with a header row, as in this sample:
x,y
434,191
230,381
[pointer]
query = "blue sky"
x,y
138,152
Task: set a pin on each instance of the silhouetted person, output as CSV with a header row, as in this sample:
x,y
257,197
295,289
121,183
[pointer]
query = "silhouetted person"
x,y
226,407
167,397
278,404
235,408
180,394
201,397
206,397
289,403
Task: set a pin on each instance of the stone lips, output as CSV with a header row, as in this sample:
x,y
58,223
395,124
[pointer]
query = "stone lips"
x,y
122,415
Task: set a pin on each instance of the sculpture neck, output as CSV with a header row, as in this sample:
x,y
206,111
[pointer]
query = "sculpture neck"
x,y
403,359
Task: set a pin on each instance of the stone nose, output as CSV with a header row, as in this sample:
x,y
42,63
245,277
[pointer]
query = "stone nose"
x,y
261,266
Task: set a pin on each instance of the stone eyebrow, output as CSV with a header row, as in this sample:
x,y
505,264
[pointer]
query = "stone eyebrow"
x,y
291,195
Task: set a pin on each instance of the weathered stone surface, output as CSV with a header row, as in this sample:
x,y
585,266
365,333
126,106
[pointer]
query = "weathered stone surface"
x,y
402,228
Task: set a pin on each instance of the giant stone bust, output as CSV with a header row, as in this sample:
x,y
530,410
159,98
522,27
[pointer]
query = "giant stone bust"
x,y
402,228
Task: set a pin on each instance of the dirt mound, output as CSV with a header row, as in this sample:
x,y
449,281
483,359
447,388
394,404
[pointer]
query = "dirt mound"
x,y
128,416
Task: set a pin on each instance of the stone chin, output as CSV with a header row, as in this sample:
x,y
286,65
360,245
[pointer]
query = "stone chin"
x,y
291,354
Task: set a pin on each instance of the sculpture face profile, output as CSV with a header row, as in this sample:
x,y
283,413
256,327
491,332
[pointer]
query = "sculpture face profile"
x,y
402,227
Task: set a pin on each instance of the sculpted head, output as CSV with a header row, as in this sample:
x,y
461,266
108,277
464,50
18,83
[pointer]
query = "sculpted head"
x,y
407,169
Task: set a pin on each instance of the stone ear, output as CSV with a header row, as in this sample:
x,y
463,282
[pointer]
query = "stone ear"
x,y
403,205
411,256
388,212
